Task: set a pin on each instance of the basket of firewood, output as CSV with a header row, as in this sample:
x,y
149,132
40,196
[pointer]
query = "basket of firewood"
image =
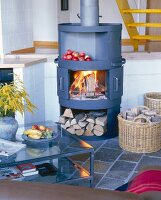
x,y
153,101
140,130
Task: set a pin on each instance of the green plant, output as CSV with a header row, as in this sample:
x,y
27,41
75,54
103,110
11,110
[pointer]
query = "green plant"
x,y
14,97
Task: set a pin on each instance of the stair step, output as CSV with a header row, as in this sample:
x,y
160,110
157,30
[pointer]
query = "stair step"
x,y
154,25
148,11
146,37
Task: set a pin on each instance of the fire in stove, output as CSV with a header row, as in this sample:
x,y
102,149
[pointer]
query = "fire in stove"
x,y
88,85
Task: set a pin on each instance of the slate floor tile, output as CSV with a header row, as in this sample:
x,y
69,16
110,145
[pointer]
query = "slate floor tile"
x,y
95,144
110,183
133,157
99,166
148,161
107,155
86,183
155,154
112,143
121,170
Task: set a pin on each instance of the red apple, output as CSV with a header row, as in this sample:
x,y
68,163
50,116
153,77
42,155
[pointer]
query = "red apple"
x,y
48,129
82,58
69,57
69,52
42,128
82,54
35,127
88,59
64,57
75,59
75,54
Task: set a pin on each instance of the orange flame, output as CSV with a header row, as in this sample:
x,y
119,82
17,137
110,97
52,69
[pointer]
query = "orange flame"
x,y
79,79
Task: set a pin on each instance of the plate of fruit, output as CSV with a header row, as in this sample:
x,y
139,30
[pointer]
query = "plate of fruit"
x,y
38,135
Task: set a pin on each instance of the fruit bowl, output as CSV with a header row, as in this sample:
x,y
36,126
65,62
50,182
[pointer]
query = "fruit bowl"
x,y
39,136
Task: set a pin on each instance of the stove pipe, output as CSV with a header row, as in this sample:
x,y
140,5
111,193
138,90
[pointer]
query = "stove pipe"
x,y
89,12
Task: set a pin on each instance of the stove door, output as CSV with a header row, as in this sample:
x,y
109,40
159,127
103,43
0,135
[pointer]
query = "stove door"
x,y
116,83
63,83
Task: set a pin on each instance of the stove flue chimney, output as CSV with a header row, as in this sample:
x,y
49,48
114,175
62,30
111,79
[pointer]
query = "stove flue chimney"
x,y
89,12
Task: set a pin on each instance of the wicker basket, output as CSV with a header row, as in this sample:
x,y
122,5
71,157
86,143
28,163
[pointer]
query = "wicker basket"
x,y
153,101
139,137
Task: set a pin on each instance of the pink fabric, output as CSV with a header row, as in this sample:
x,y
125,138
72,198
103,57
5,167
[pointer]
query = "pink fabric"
x,y
146,181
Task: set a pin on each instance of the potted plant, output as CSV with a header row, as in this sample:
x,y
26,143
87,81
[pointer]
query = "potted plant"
x,y
13,98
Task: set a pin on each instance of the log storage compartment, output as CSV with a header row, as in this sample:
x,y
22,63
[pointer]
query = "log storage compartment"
x,y
90,86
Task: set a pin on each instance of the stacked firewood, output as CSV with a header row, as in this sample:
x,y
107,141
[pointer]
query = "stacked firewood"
x,y
141,114
87,124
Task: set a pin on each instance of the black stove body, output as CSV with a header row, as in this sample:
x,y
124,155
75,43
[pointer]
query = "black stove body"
x,y
103,43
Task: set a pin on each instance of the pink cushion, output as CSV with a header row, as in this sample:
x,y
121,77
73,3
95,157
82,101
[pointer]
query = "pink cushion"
x,y
146,181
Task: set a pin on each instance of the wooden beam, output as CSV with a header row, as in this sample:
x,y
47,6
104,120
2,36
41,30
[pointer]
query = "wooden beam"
x,y
54,45
127,42
128,19
46,44
27,50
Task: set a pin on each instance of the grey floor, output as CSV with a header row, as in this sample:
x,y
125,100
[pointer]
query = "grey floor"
x,y
114,167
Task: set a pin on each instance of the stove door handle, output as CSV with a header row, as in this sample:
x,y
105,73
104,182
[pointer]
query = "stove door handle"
x,y
61,84
116,84
119,64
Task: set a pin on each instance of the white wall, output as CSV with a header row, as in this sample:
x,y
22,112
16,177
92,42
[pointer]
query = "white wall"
x,y
16,24
35,87
47,15
45,19
1,44
63,16
109,11
140,78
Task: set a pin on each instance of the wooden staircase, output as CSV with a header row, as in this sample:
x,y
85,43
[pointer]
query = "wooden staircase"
x,y
131,25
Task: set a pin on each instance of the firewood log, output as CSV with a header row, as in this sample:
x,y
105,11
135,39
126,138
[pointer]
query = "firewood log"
x,y
98,133
68,113
68,123
76,127
82,124
90,127
100,128
90,84
71,130
73,122
79,117
79,132
88,133
62,119
101,120
63,126
91,120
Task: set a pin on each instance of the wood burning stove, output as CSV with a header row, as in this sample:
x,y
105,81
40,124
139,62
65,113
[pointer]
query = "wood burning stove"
x,y
91,90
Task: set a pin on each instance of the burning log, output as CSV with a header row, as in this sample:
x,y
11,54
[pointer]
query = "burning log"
x,y
77,82
90,85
